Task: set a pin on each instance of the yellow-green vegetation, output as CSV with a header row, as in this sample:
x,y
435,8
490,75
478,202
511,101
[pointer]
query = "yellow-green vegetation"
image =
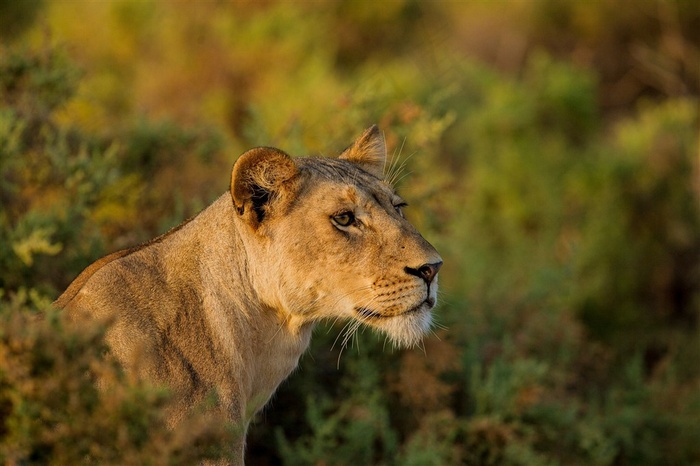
x,y
551,154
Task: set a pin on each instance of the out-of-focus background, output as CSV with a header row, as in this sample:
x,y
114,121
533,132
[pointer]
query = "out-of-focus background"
x,y
551,152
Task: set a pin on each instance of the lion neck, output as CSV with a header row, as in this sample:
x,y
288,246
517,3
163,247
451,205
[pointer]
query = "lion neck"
x,y
263,337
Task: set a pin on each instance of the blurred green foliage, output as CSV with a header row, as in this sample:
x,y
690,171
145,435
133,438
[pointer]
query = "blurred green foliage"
x,y
552,149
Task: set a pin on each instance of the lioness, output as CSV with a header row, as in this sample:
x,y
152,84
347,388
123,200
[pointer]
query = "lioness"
x,y
227,301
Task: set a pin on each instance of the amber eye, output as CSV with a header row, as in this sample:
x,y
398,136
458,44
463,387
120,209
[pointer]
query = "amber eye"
x,y
344,219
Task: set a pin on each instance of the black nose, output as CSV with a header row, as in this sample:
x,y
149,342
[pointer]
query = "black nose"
x,y
426,271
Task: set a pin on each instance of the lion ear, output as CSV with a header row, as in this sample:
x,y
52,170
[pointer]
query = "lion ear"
x,y
368,151
260,177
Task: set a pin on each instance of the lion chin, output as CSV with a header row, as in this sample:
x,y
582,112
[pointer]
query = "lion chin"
x,y
408,329
404,329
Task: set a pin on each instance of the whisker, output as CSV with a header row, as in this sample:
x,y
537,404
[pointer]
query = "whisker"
x,y
349,331
348,334
385,152
279,327
422,346
404,165
392,164
351,292
395,161
355,338
440,326
398,171
350,327
340,333
402,177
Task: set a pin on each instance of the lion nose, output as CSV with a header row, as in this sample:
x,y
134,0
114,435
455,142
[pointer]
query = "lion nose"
x,y
426,271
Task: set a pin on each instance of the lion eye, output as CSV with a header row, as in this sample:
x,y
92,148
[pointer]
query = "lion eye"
x,y
344,219
399,207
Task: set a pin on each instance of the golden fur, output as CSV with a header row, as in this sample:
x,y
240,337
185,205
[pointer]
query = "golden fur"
x,y
227,301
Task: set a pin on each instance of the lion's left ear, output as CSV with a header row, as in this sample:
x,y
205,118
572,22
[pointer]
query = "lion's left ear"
x,y
260,177
368,151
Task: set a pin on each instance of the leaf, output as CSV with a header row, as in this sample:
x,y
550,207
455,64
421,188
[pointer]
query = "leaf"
x,y
38,242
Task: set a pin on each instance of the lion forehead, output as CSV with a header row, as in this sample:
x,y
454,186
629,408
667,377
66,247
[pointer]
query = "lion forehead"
x,y
342,179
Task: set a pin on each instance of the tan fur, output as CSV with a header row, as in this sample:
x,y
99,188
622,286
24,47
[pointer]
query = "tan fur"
x,y
227,301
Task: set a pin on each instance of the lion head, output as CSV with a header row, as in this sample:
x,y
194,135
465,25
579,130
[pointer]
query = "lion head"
x,y
327,238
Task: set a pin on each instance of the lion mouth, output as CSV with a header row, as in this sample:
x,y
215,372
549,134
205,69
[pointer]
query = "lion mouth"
x,y
425,305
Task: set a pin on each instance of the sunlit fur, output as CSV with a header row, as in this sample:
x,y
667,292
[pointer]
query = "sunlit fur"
x,y
228,300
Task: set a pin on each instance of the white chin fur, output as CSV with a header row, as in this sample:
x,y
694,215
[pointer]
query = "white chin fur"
x,y
407,330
